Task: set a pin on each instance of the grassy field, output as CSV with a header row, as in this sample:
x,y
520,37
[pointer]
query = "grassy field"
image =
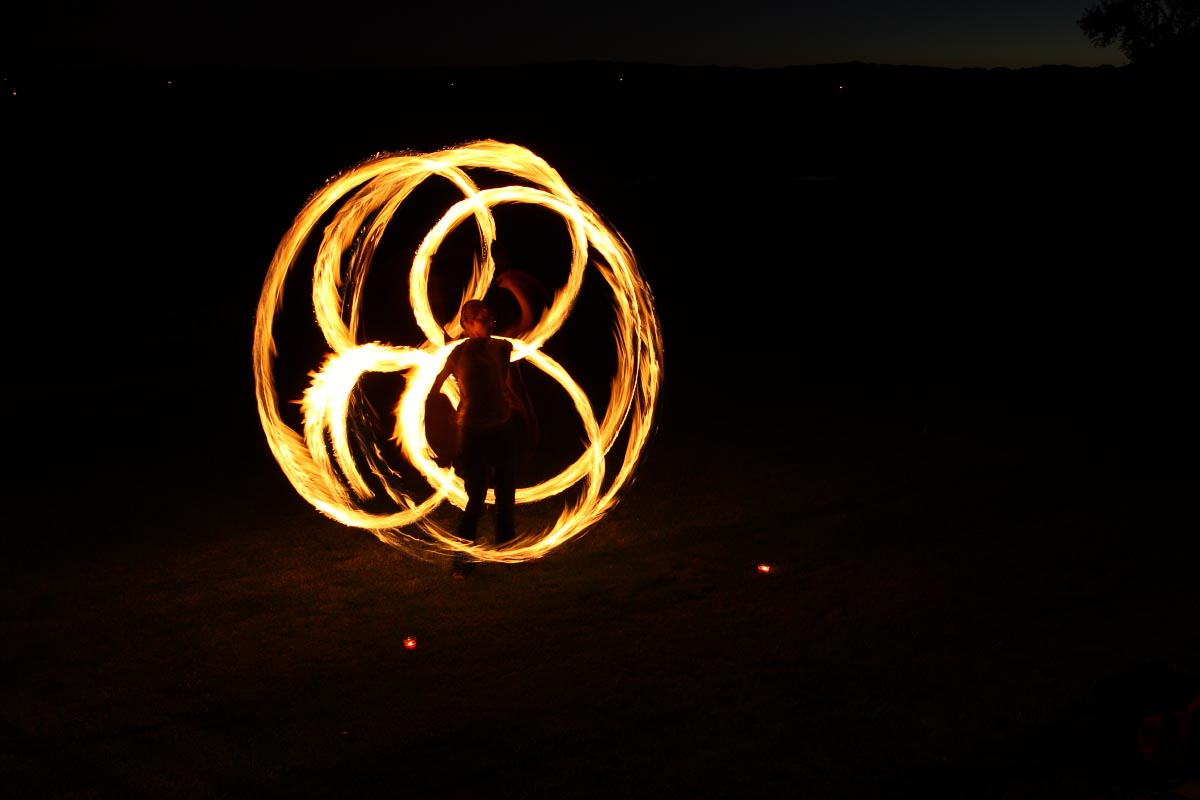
x,y
983,551
962,603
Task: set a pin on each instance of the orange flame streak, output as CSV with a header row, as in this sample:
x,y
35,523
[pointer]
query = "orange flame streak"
x,y
321,462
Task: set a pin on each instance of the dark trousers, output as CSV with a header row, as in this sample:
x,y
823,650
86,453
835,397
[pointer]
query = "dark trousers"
x,y
481,450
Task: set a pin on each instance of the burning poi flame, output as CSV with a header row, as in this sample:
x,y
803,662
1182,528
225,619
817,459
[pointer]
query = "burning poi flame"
x,y
320,461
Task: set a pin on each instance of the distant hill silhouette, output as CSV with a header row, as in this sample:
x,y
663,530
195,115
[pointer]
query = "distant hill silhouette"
x,y
1089,124
602,75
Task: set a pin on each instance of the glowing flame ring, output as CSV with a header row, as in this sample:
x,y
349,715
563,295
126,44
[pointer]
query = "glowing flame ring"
x,y
380,185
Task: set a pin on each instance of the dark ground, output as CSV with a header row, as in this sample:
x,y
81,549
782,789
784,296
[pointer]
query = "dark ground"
x,y
946,389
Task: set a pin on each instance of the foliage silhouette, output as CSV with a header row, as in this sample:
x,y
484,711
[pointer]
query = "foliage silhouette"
x,y
1161,34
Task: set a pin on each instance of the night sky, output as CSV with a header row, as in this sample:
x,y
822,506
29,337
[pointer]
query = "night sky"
x,y
749,33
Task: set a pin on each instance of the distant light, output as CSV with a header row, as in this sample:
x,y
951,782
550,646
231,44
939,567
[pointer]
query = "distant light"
x,y
410,642
840,87
764,568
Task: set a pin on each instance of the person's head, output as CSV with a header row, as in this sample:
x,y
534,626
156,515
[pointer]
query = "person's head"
x,y
477,319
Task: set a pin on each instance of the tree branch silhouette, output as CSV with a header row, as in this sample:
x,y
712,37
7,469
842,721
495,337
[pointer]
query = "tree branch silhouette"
x,y
1161,34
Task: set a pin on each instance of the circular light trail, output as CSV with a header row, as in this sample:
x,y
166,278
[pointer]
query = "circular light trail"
x,y
327,459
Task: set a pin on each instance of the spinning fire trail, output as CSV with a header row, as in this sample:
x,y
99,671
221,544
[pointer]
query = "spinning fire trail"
x,y
325,461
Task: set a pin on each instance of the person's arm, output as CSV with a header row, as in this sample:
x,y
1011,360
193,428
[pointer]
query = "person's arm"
x,y
440,409
447,368
446,372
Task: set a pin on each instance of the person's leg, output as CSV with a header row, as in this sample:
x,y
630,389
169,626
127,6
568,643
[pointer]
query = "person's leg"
x,y
504,464
472,462
473,465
